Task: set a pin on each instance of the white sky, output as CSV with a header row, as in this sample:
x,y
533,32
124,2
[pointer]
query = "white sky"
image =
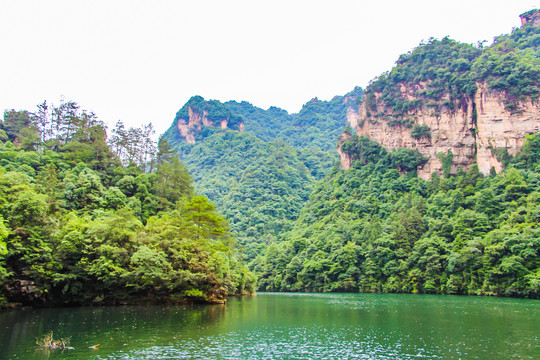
x,y
140,61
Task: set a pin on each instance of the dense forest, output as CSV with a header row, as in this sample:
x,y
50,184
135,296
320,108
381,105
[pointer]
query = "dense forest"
x,y
259,186
370,229
261,177
91,219
378,228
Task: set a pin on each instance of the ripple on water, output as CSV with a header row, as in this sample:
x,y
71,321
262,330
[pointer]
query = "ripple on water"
x,y
298,343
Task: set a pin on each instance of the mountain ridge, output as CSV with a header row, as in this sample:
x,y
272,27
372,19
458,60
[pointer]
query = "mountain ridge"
x,y
471,103
373,225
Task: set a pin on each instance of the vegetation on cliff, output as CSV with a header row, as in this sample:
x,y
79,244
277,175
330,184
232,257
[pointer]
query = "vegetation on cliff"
x,y
443,73
260,178
318,123
371,229
438,68
259,186
511,65
82,223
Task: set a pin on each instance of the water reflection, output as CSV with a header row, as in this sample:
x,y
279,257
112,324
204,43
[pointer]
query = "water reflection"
x,y
112,327
296,326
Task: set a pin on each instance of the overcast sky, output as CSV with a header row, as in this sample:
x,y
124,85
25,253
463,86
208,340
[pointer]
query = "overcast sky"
x,y
140,61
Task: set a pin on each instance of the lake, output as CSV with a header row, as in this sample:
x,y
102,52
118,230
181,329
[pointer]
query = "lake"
x,y
286,326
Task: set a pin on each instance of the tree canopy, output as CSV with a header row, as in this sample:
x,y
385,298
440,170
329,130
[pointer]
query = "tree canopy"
x,y
86,221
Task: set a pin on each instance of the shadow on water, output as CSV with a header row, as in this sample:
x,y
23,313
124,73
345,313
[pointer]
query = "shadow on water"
x,y
311,326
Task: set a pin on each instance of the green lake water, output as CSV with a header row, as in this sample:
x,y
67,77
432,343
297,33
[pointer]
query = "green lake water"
x,y
287,326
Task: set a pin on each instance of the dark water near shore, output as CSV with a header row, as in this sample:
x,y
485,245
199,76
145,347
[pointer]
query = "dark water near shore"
x,y
287,326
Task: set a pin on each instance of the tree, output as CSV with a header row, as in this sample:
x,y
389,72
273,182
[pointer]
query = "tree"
x,y
207,224
15,122
173,182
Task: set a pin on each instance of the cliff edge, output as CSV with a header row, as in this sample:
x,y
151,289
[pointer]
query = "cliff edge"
x,y
452,100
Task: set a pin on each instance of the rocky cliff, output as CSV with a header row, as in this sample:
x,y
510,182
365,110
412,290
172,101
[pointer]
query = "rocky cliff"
x,y
198,113
532,16
191,125
498,128
472,133
448,111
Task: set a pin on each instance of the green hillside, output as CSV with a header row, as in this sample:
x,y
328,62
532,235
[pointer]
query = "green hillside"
x,y
259,186
260,178
86,222
370,229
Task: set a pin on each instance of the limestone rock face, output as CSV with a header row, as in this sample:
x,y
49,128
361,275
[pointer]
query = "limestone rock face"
x,y
531,17
346,159
500,128
190,126
471,131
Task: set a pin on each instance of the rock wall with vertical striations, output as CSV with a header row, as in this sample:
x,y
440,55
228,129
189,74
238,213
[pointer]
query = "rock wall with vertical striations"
x,y
500,128
198,113
457,103
472,131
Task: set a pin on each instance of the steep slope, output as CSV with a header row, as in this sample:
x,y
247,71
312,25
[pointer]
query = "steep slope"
x,y
370,229
454,101
258,166
259,186
374,226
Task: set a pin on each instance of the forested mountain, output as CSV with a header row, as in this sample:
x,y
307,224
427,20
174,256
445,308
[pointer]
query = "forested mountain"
x,y
459,115
468,102
258,166
371,229
462,117
83,221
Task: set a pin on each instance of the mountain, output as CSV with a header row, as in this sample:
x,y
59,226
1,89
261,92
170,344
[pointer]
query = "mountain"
x,y
258,166
469,105
464,117
438,186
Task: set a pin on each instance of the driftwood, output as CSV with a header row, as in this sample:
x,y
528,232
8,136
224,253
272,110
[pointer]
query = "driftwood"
x,y
48,342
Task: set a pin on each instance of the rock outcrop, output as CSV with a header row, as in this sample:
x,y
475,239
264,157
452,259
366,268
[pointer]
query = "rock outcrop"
x,y
190,120
346,159
472,132
474,125
532,17
193,122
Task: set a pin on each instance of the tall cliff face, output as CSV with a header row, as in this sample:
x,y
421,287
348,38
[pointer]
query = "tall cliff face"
x,y
472,132
498,128
198,113
454,101
188,127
